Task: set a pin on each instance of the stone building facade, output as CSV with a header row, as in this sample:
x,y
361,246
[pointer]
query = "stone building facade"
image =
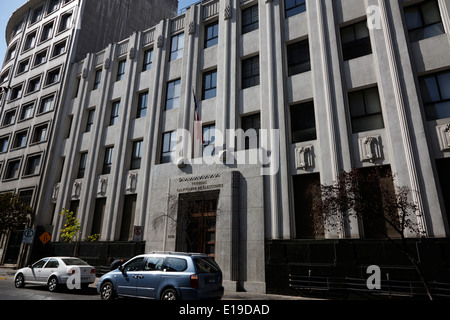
x,y
289,94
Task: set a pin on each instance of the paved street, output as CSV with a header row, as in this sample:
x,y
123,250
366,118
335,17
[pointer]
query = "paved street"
x,y
30,292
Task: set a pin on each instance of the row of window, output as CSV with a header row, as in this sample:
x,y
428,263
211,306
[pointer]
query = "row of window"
x,y
20,139
31,39
39,58
27,110
13,167
52,77
38,13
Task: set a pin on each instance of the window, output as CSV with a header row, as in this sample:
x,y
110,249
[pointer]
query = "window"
x,y
37,14
209,85
18,27
436,95
114,119
97,79
33,85
250,72
52,6
32,166
211,34
176,48
365,110
40,134
424,20
16,92
107,163
251,125
142,105
173,94
82,166
136,155
59,49
298,55
250,19
4,76
90,120
47,31
53,76
46,104
24,66
121,70
27,112
26,196
294,7
30,41
153,264
12,169
53,263
168,147
11,53
40,58
303,122
134,265
175,265
209,137
66,19
20,141
4,141
148,60
9,117
355,41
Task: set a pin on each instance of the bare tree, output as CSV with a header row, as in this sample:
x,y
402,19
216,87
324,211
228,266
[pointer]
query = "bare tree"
x,y
372,198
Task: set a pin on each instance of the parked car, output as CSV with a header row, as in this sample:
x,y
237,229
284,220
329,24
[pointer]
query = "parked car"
x,y
164,276
54,272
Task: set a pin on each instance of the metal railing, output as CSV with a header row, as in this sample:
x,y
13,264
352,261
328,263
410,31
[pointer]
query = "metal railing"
x,y
357,285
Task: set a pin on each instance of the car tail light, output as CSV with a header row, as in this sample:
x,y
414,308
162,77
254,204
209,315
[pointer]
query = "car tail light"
x,y
194,281
71,271
93,271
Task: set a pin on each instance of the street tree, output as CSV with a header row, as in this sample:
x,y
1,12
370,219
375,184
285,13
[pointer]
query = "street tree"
x,y
13,213
370,196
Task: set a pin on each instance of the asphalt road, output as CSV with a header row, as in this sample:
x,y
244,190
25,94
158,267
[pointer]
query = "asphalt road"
x,y
30,292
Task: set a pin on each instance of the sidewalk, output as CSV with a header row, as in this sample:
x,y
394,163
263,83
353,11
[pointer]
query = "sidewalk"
x,y
8,274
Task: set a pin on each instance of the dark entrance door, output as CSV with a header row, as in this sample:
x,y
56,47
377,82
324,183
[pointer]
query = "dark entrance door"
x,y
197,225
13,249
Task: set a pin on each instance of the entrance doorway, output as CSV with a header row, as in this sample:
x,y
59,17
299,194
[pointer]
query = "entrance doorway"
x,y
196,226
13,249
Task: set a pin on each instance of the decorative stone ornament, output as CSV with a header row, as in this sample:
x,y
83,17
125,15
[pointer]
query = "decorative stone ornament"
x,y
107,63
132,182
370,149
444,137
304,158
228,12
132,54
160,42
191,28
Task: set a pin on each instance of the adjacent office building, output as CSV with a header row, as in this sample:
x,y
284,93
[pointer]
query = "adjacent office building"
x,y
289,94
44,38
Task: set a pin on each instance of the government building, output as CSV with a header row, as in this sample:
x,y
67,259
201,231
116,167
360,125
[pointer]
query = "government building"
x,y
207,130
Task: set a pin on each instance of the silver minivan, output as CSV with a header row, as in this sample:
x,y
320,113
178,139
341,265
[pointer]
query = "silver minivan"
x,y
164,276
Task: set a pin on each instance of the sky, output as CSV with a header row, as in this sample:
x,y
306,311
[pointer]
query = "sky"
x,y
7,7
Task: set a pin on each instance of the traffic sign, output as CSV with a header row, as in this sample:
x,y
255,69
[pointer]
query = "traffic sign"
x,y
45,237
138,234
28,236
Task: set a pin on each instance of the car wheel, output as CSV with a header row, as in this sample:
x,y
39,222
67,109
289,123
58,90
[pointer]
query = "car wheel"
x,y
19,281
169,294
107,291
52,284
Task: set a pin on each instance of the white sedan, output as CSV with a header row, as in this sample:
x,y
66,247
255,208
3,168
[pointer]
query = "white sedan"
x,y
56,271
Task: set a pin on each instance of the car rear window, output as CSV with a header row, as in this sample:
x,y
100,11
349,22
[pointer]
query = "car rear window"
x,y
74,262
206,265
